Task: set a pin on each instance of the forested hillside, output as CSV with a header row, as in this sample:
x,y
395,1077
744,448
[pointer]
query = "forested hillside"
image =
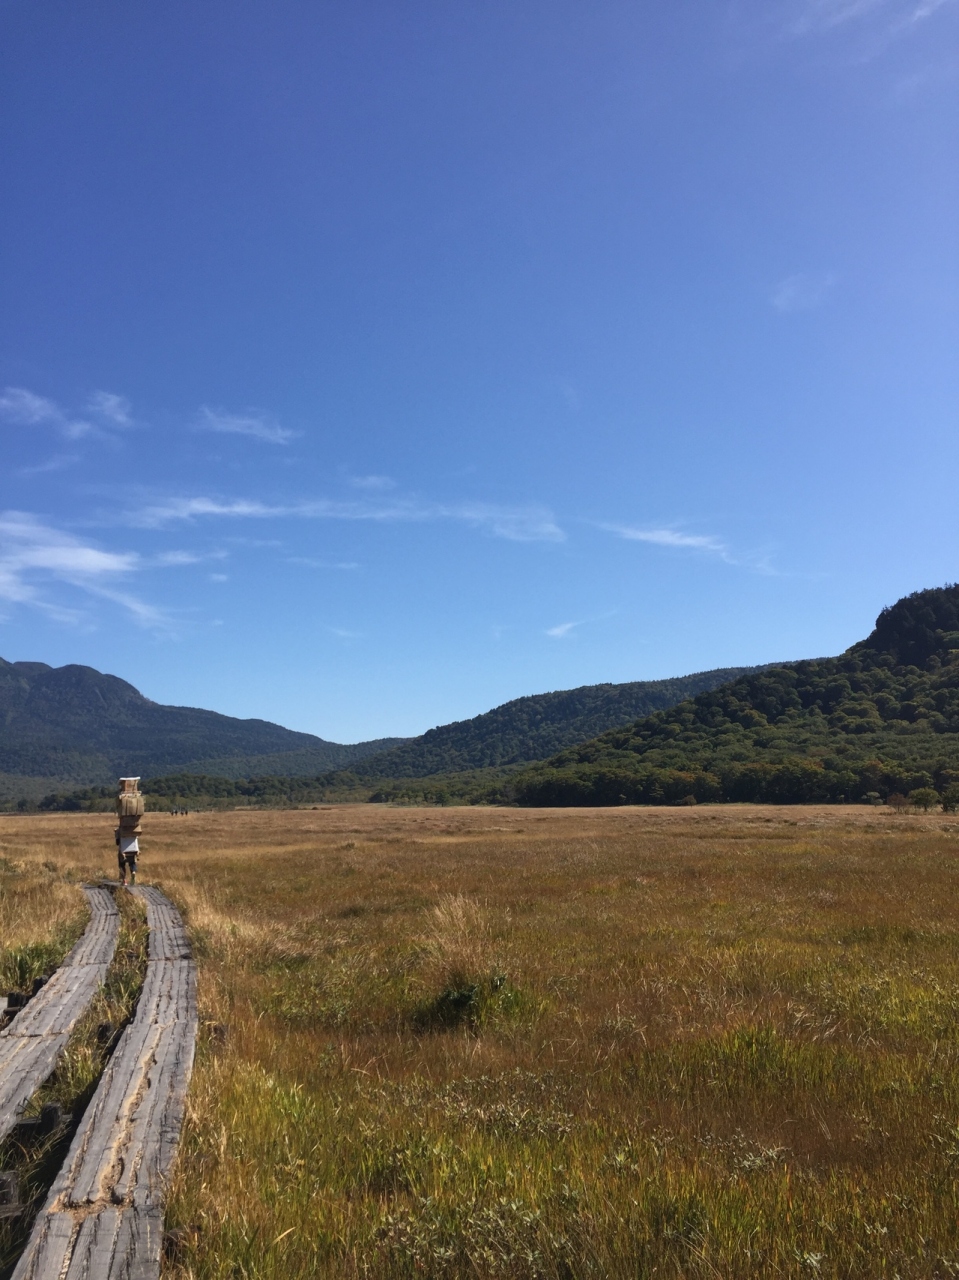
x,y
534,727
79,726
883,717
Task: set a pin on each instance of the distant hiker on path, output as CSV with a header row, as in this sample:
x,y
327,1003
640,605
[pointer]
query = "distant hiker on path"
x,y
130,807
128,850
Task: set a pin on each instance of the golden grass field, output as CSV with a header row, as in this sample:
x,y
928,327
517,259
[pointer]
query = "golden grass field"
x,y
705,1042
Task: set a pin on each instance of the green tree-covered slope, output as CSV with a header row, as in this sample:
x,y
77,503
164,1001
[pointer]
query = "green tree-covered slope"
x,y
534,727
882,717
79,726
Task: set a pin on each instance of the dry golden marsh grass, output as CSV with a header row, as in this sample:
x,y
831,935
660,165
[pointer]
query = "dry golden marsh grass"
x,y
612,1043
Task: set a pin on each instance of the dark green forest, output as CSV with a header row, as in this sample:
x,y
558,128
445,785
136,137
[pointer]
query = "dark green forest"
x,y
882,718
536,726
77,727
204,791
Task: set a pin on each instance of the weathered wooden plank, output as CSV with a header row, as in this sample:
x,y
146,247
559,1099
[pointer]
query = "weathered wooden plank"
x,y
54,1245
94,1246
31,1044
112,1187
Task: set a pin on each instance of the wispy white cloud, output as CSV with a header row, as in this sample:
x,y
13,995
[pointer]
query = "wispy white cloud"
x,y
344,634
562,629
756,561
670,538
31,545
172,510
173,559
378,483
803,291
58,462
571,396
116,410
23,408
531,523
824,15
33,556
875,25
927,9
147,615
259,426
310,562
180,559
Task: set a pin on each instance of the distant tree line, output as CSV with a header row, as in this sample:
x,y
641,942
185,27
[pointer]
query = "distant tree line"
x,y
796,781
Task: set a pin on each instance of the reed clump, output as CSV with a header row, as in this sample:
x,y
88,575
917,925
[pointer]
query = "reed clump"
x,y
42,913
465,984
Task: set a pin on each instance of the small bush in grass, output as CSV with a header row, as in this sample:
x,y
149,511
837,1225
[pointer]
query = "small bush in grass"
x,y
950,798
924,798
467,1004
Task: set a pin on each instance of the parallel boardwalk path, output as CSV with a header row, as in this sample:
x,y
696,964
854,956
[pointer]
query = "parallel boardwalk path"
x,y
103,1219
38,1034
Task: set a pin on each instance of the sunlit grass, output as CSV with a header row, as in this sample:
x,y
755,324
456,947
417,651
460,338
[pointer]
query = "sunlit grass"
x,y
42,913
624,1043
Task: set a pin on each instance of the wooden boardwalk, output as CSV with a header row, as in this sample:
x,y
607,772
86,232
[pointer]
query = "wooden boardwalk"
x,y
38,1034
103,1219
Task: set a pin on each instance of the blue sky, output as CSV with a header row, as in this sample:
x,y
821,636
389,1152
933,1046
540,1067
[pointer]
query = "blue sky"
x,y
364,365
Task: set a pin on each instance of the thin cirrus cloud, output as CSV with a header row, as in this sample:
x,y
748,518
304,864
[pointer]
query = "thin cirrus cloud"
x,y
804,291
707,544
58,462
894,16
311,562
33,556
562,630
670,538
113,408
174,559
21,407
258,426
377,484
531,523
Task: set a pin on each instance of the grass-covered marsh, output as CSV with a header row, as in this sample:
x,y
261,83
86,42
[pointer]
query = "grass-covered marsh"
x,y
612,1043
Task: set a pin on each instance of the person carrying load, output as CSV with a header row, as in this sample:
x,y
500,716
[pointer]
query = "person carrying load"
x,y
128,850
129,812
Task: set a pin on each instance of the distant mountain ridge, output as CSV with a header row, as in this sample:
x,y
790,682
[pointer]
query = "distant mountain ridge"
x,y
77,725
73,726
536,726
